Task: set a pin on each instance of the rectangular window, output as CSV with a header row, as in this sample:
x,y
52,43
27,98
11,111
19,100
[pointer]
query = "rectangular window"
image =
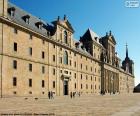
x,y
75,85
91,68
81,66
74,64
81,76
86,67
53,58
43,54
53,71
14,64
43,83
30,36
75,75
30,82
43,69
53,84
70,62
86,86
14,81
15,31
81,86
30,51
15,46
30,67
53,46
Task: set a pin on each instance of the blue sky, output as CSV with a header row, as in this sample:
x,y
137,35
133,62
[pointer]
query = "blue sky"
x,y
99,15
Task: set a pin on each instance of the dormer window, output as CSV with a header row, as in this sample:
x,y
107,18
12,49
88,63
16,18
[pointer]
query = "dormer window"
x,y
11,11
26,19
39,25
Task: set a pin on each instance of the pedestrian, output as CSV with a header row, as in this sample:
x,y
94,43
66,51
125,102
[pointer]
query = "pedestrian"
x,y
79,94
52,95
49,94
71,95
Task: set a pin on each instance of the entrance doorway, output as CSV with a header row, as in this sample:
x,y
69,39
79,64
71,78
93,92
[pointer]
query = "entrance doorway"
x,y
65,87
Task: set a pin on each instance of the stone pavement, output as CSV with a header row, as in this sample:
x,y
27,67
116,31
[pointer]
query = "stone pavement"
x,y
86,105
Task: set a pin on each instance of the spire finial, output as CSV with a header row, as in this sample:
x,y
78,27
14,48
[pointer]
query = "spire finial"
x,y
65,17
110,33
58,18
106,33
126,50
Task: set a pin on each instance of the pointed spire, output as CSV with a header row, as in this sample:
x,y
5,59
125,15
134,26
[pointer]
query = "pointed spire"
x,y
126,50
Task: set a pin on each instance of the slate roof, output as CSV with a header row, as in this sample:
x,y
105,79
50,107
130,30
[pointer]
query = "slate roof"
x,y
18,18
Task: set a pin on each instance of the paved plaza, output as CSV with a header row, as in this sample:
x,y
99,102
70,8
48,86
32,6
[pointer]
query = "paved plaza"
x,y
86,105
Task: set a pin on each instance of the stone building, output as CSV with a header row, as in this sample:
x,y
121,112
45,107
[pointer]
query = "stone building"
x,y
37,57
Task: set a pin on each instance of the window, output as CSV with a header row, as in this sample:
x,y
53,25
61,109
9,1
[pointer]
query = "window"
x,y
43,69
65,37
30,82
86,77
86,67
43,41
15,46
95,86
30,67
66,58
81,86
12,11
91,68
86,86
53,71
53,46
70,62
75,85
14,64
95,78
75,64
53,84
60,60
81,76
30,36
30,51
43,83
91,86
14,81
91,78
81,66
15,31
43,54
75,75
53,58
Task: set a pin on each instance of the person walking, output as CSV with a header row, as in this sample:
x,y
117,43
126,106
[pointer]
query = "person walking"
x,y
71,95
49,94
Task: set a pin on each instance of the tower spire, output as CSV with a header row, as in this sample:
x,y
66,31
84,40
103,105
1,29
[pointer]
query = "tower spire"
x,y
126,50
